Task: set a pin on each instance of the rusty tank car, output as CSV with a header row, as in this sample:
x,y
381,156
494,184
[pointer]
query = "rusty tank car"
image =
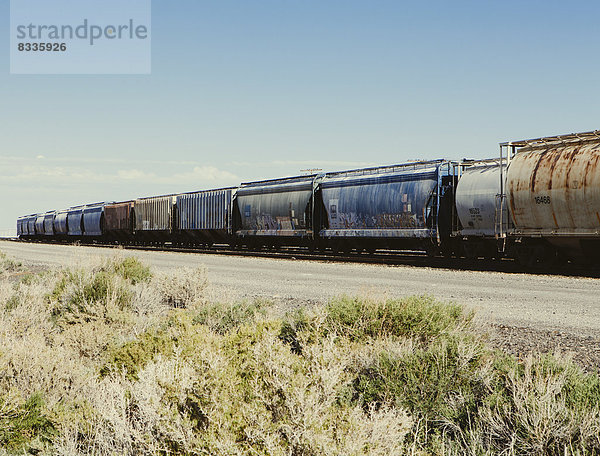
x,y
553,194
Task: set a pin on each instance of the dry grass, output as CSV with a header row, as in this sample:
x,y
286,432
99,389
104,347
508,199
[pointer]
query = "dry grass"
x,y
107,358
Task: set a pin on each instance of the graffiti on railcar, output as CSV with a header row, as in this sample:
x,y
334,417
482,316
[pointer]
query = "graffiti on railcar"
x,y
353,220
280,211
397,205
268,222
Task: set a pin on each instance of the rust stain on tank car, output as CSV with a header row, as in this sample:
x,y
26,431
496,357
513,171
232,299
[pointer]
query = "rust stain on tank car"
x,y
535,171
591,167
571,156
511,203
542,174
552,166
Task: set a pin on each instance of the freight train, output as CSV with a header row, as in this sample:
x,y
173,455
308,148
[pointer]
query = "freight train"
x,y
537,202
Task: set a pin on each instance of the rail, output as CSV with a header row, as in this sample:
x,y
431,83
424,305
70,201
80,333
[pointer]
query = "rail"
x,y
385,257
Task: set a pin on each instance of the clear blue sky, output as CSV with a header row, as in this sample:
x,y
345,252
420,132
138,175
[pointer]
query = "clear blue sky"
x,y
245,90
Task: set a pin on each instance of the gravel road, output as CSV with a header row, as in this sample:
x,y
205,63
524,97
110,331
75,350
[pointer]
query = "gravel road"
x,y
521,312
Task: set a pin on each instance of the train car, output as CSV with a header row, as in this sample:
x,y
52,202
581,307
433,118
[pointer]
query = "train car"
x,y
21,231
61,229
481,210
49,224
93,221
31,226
39,226
405,206
119,221
205,217
75,223
154,219
276,212
553,191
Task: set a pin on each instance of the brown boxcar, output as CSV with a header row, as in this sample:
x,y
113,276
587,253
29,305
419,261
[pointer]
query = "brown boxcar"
x,y
119,220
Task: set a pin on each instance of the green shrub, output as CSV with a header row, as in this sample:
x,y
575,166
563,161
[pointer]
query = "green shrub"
x,y
416,317
9,265
97,293
543,405
466,396
98,289
439,384
85,298
20,426
132,269
581,391
181,288
222,318
12,303
133,356
288,334
28,278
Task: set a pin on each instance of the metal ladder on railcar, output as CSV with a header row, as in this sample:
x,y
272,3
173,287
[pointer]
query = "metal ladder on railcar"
x,y
501,218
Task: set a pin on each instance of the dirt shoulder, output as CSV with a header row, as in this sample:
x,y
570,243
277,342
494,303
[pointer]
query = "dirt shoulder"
x,y
520,341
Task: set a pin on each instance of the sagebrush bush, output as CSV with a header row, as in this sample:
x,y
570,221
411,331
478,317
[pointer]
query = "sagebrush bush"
x,y
544,405
23,423
183,288
110,359
416,317
133,356
132,269
223,317
8,265
465,396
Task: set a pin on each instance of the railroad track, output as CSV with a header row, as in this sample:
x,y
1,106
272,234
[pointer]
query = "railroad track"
x,y
389,258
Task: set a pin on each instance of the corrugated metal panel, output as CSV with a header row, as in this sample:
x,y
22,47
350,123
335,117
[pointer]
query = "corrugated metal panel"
x,y
93,221
153,214
20,227
117,217
396,202
276,208
25,226
554,190
75,221
477,200
49,223
60,223
31,225
206,210
39,224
